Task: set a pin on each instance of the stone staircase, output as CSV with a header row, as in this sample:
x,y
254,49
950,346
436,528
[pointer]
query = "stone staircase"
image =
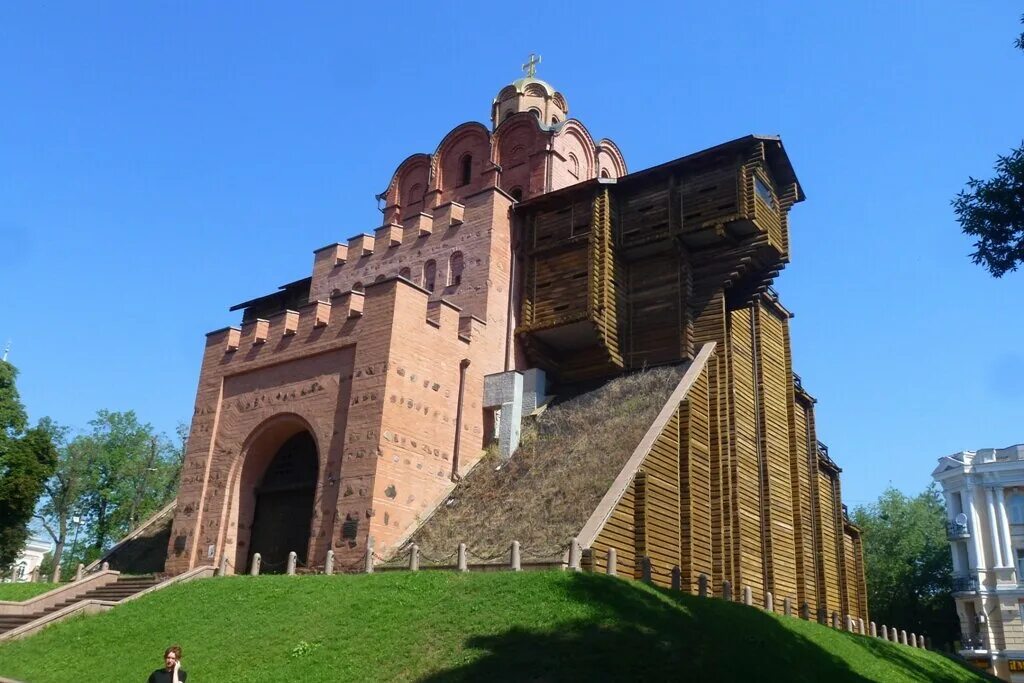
x,y
115,592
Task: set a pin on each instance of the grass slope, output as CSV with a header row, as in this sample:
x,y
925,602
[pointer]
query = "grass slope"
x,y
24,591
542,496
445,626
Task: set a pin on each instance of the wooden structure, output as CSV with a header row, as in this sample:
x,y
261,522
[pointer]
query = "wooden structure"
x,y
665,265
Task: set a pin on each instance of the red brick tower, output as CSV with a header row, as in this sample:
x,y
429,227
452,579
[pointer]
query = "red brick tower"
x,y
346,403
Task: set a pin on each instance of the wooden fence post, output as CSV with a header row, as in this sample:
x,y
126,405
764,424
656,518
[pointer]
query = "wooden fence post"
x,y
574,555
293,558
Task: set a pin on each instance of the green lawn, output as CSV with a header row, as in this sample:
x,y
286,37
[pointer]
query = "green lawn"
x,y
445,626
24,591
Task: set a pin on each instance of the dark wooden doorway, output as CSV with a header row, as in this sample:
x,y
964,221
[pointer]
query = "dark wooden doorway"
x,y
284,505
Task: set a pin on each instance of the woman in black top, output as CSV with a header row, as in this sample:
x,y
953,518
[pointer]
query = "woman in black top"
x,y
172,671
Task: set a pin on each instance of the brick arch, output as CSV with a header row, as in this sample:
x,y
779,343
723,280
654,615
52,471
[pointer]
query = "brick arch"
x,y
575,134
414,170
516,143
609,156
469,138
255,456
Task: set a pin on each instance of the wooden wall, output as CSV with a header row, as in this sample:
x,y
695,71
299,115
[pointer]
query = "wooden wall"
x,y
774,379
736,486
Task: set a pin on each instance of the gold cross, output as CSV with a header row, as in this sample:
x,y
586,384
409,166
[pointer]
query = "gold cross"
x,y
530,68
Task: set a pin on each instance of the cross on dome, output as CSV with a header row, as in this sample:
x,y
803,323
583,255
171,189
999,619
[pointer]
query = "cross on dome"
x,y
530,68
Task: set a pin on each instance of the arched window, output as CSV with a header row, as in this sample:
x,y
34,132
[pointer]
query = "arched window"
x,y
574,165
604,173
517,193
466,170
455,266
357,287
379,278
507,114
554,120
535,112
406,273
1015,503
415,194
430,275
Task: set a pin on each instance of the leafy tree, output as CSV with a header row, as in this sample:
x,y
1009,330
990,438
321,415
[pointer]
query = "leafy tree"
x,y
112,479
64,498
27,458
908,563
993,211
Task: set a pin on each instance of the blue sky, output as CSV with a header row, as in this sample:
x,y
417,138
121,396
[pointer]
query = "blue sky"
x,y
162,161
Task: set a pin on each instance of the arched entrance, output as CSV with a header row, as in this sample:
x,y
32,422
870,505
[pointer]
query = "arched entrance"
x,y
284,504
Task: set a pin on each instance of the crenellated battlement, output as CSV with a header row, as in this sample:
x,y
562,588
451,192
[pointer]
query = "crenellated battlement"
x,y
338,321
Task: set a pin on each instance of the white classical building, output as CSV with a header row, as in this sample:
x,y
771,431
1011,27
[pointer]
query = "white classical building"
x,y
984,493
31,556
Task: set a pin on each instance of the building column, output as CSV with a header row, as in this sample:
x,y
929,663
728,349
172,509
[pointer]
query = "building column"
x,y
1004,528
974,523
993,528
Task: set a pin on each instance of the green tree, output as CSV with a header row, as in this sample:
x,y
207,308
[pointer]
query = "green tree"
x,y
63,500
111,479
132,470
908,563
993,211
27,458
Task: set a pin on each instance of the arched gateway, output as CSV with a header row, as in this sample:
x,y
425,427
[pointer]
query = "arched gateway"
x,y
283,504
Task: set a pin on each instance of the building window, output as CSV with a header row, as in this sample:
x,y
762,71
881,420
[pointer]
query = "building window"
x,y
455,265
763,191
1015,503
574,165
357,287
1020,562
517,193
430,275
406,273
554,120
379,278
604,173
536,113
466,170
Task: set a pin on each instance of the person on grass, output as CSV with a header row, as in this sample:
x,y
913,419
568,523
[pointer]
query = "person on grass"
x,y
172,671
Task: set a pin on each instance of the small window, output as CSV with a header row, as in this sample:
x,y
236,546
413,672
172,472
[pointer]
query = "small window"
x,y
466,170
574,165
455,266
507,114
430,275
517,193
536,113
357,287
1020,563
1016,505
554,120
406,273
604,173
763,191
379,278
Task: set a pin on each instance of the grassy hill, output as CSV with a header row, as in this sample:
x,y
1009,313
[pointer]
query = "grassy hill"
x,y
444,626
24,591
